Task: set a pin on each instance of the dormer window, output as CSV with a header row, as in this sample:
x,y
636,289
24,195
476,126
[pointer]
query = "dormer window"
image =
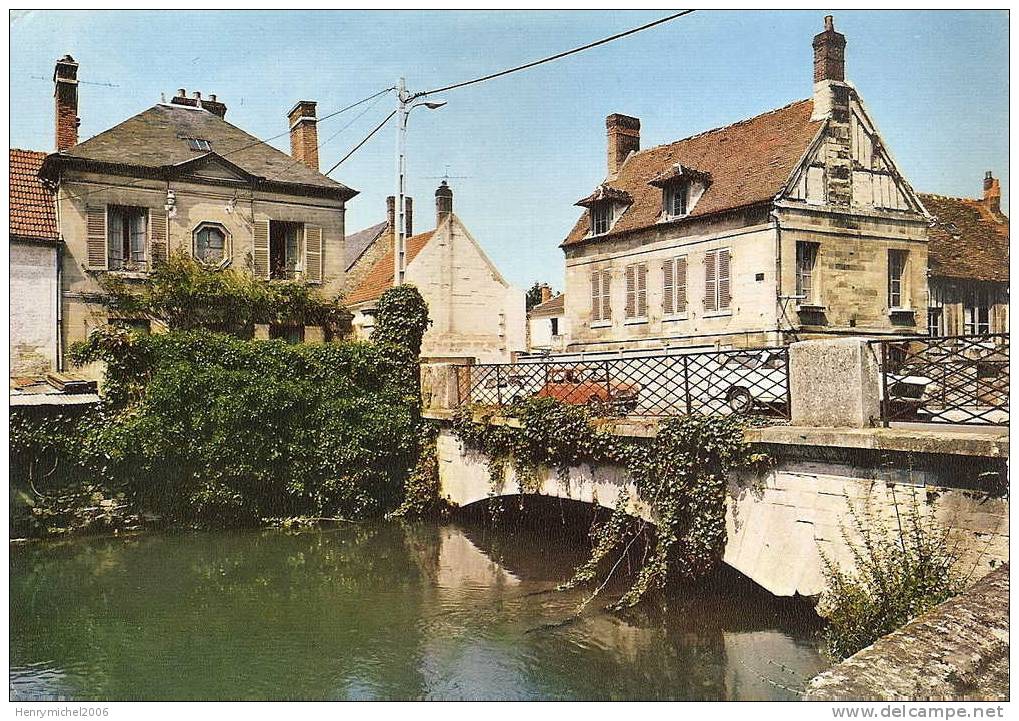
x,y
674,199
601,218
604,207
681,188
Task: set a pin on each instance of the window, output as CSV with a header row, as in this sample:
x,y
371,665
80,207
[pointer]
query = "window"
x,y
636,290
601,286
674,286
935,322
806,259
199,144
290,333
601,218
674,200
126,231
716,280
897,279
555,326
285,250
210,243
976,313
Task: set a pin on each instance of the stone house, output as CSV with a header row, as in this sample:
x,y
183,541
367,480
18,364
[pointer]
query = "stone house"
x,y
179,176
35,264
792,224
968,251
475,313
548,327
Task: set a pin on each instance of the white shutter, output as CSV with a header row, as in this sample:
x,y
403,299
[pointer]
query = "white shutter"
x,y
95,232
606,295
631,291
157,237
642,290
313,253
681,284
260,251
710,288
723,279
669,286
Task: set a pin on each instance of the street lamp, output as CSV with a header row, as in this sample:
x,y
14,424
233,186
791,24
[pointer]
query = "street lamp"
x,y
400,235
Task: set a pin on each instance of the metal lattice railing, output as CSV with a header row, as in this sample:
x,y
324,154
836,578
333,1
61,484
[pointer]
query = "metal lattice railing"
x,y
956,379
717,382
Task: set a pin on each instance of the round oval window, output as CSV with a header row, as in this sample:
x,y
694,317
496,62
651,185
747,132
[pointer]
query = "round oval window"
x,y
210,244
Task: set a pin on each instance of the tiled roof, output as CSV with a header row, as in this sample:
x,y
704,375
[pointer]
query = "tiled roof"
x,y
357,243
552,306
380,278
157,137
969,241
33,212
749,162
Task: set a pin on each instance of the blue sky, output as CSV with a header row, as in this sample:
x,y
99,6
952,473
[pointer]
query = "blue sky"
x,y
523,148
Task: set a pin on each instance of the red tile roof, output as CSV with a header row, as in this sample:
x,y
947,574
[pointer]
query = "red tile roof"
x,y
33,209
749,162
380,278
969,240
552,306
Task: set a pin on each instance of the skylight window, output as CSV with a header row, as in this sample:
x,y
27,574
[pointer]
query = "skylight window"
x,y
199,144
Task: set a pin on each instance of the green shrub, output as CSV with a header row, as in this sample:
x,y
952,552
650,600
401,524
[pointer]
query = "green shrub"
x,y
900,571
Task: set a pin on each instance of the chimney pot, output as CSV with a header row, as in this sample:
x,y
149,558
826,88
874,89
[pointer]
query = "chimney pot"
x,y
181,92
197,95
443,203
623,138
304,133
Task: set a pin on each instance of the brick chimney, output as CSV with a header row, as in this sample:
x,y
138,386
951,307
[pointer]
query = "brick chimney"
x,y
65,94
408,213
992,192
304,133
829,69
443,203
214,106
624,138
546,292
832,96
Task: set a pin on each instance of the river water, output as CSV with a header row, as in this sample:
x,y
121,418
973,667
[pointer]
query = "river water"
x,y
378,611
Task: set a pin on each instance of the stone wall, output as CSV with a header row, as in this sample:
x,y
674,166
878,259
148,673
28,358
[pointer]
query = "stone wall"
x,y
956,651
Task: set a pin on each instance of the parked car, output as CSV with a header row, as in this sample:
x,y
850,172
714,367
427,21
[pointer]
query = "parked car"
x,y
907,395
752,379
590,386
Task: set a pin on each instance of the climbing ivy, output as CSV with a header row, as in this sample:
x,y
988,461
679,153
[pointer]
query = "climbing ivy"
x,y
681,475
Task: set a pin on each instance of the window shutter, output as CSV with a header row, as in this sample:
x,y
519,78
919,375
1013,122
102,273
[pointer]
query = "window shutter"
x,y
606,295
596,295
313,253
642,290
723,279
260,256
631,291
681,285
668,287
710,294
95,231
157,237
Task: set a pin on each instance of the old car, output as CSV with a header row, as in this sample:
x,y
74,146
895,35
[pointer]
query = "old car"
x,y
752,379
591,386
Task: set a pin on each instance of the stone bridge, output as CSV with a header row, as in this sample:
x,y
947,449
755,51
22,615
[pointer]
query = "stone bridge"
x,y
781,523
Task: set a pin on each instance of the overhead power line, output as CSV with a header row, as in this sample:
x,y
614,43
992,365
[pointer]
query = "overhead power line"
x,y
358,146
557,56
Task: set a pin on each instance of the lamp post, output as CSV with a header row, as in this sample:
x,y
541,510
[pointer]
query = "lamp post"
x,y
404,106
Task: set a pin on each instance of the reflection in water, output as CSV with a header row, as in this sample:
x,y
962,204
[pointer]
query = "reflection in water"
x,y
369,611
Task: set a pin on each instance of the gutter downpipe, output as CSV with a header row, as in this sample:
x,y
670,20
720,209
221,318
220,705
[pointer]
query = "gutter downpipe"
x,y
59,290
780,310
